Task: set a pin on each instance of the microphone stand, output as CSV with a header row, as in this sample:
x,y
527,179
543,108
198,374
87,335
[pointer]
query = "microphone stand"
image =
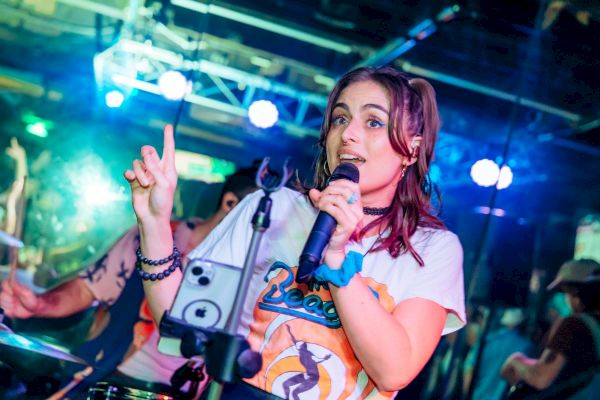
x,y
225,351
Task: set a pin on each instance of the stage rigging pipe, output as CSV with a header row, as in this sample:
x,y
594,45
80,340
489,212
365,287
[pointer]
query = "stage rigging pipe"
x,y
533,45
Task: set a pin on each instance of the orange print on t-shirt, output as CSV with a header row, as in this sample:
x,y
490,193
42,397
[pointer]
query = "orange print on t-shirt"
x,y
299,335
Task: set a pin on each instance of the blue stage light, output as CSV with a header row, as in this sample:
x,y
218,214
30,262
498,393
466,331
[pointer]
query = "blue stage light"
x,y
114,99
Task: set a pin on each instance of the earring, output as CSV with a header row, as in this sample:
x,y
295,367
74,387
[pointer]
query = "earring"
x,y
415,142
414,145
403,172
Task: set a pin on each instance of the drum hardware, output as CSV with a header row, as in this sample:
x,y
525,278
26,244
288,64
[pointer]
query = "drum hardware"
x,y
106,390
9,338
9,240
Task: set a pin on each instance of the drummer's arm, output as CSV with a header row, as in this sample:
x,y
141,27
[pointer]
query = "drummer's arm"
x,y
67,299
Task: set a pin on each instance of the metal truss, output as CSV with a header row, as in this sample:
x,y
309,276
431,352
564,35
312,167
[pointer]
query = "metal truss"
x,y
228,76
131,64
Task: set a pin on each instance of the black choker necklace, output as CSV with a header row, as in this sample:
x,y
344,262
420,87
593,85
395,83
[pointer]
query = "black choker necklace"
x,y
376,210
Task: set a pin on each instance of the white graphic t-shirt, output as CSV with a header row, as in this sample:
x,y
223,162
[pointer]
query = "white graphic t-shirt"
x,y
305,351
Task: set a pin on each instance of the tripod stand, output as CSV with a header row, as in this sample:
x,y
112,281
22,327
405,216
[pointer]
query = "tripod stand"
x,y
228,355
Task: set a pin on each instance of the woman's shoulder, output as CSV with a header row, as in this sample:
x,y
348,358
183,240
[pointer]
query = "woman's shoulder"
x,y
291,197
290,193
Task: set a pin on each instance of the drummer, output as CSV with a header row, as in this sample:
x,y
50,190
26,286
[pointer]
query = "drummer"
x,y
131,353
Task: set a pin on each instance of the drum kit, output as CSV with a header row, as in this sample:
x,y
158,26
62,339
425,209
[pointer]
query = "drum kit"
x,y
19,342
99,391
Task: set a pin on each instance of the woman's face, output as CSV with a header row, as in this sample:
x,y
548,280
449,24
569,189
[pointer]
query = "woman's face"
x,y
359,135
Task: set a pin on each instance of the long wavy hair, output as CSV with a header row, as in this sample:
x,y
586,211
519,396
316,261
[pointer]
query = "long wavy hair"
x,y
413,112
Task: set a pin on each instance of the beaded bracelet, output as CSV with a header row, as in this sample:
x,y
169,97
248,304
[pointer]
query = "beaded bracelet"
x,y
160,275
341,277
144,260
140,259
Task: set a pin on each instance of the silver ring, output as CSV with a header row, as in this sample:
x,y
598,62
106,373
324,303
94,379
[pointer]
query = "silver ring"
x,y
353,198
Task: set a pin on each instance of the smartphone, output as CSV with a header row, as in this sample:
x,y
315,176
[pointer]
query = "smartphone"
x,y
204,299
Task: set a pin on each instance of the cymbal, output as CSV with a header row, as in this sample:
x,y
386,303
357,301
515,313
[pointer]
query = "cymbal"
x,y
12,339
9,240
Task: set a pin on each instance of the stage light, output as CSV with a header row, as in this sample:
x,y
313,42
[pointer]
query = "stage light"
x,y
37,129
422,30
95,188
99,193
506,177
35,125
263,114
114,99
173,85
448,13
498,212
485,172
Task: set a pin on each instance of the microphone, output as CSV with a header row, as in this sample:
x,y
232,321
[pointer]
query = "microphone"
x,y
322,229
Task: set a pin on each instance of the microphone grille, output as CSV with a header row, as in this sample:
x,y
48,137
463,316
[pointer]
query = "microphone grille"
x,y
345,171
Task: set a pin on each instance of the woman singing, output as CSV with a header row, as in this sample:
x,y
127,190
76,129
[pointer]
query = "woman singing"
x,y
390,281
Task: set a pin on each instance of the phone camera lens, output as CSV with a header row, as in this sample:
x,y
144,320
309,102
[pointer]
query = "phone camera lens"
x,y
197,271
203,281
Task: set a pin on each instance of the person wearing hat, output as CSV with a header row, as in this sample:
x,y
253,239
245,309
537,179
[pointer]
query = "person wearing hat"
x,y
571,356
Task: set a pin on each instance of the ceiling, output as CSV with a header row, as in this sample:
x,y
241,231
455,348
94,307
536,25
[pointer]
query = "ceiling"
x,y
522,72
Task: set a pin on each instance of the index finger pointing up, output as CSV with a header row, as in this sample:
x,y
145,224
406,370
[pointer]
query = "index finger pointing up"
x,y
168,155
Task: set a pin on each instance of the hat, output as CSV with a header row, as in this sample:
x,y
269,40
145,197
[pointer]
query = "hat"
x,y
576,271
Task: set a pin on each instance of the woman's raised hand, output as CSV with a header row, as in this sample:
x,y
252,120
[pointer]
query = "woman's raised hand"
x,y
153,181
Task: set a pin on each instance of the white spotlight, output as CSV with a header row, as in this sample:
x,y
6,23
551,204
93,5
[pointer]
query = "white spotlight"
x,y
506,177
485,172
114,99
263,114
173,85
